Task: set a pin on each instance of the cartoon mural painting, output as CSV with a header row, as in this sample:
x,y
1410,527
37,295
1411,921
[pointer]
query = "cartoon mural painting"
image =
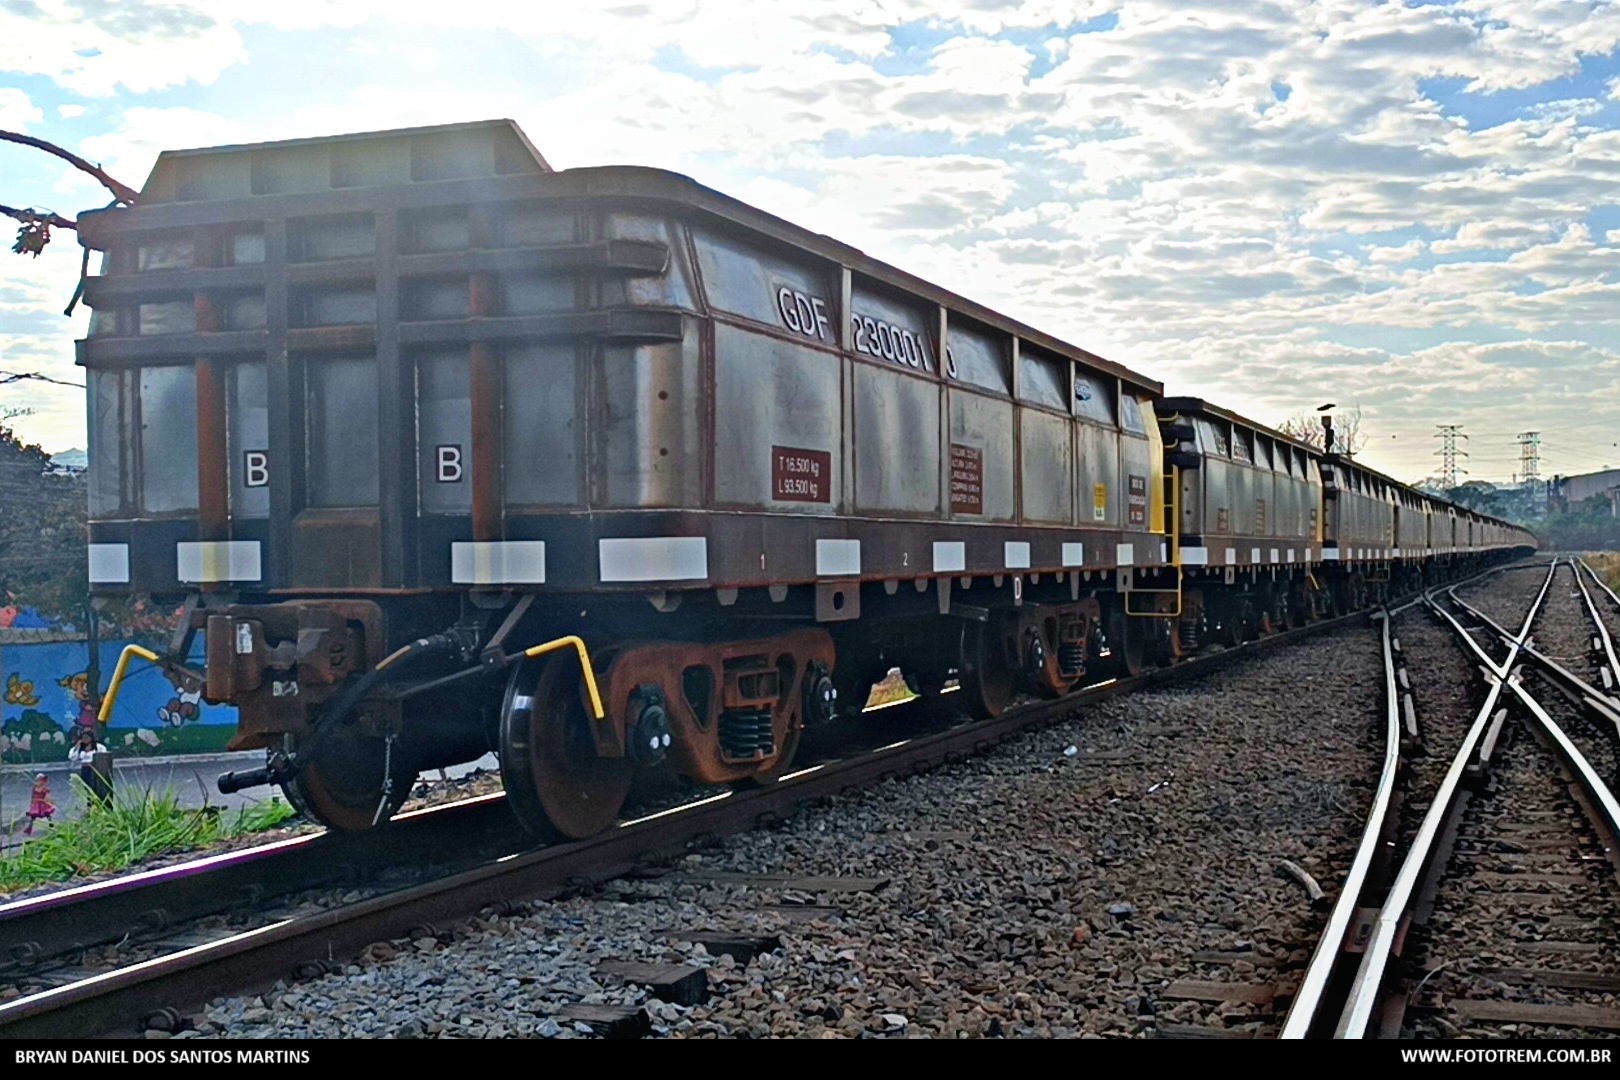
x,y
186,704
49,697
79,686
19,692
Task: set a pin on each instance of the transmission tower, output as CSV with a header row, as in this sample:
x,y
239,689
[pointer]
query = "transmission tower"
x,y
1530,457
1448,436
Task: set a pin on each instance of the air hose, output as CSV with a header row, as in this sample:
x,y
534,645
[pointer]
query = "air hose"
x,y
340,710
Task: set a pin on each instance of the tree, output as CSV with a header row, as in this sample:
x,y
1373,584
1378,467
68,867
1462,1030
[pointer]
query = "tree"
x,y
1348,438
35,230
1480,495
42,517
1586,526
42,532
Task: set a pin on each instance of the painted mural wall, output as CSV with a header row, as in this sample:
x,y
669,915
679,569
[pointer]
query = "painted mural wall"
x,y
48,696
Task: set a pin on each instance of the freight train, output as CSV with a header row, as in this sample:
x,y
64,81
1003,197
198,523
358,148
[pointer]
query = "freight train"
x,y
449,452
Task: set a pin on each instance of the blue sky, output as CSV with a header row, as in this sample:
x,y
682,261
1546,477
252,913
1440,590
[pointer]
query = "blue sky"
x,y
1412,207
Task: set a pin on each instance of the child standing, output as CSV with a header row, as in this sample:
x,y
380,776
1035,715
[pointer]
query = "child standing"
x,y
40,805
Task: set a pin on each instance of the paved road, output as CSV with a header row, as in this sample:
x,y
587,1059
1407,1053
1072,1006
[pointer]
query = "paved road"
x,y
191,777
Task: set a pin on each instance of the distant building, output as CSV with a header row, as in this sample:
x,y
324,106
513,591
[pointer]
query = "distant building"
x,y
1571,491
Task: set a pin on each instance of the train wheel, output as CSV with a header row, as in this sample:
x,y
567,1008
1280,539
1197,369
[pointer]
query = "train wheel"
x,y
559,787
339,781
1229,632
1132,635
988,681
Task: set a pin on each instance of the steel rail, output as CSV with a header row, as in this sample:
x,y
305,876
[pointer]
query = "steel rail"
x,y
1599,797
261,956
1366,990
1326,961
62,921
1600,583
1572,685
1327,964
1597,621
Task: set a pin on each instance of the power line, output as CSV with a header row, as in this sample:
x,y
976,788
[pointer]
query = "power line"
x,y
21,376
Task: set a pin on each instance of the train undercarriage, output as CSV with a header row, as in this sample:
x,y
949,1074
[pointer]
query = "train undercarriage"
x,y
578,702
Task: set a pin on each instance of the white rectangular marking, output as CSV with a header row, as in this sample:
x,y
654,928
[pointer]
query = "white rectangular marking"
x,y
1074,554
1330,554
1194,556
1231,556
1254,556
1124,554
653,558
498,562
1290,554
836,558
1274,559
217,560
109,564
950,556
1015,554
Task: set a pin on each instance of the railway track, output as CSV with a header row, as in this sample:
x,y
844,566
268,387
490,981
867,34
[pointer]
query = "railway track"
x,y
310,942
1604,608
1500,914
56,938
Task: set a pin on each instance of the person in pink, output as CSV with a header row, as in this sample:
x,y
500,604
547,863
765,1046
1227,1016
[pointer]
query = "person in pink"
x,y
40,804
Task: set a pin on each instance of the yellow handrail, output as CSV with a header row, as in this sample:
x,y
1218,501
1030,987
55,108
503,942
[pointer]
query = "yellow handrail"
x,y
584,662
1173,535
1175,516
118,677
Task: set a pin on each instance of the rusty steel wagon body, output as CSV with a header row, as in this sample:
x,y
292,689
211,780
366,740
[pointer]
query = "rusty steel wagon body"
x,y
603,470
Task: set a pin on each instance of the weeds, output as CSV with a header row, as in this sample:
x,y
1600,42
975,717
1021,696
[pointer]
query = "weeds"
x,y
1607,564
133,827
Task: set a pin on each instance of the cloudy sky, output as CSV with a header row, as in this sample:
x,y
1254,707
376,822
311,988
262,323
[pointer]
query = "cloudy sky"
x,y
1410,206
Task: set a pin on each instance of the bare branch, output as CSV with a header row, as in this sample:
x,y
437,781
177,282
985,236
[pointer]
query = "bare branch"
x,y
1307,428
29,216
122,192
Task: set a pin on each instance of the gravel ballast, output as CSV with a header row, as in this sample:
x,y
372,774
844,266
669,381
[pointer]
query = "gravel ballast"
x,y
1059,885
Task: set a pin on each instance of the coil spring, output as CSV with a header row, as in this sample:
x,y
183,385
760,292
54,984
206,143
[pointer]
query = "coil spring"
x,y
1072,658
746,733
1189,634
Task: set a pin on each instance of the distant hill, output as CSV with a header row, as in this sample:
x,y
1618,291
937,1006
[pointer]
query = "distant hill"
x,y
71,459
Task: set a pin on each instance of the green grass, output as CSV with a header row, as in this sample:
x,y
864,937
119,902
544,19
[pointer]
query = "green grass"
x,y
136,826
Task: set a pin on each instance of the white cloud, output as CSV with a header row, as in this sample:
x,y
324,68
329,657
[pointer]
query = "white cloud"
x,y
1384,256
1239,197
92,47
17,112
1492,235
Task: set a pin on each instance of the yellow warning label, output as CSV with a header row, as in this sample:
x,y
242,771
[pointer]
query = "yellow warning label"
x,y
1099,502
